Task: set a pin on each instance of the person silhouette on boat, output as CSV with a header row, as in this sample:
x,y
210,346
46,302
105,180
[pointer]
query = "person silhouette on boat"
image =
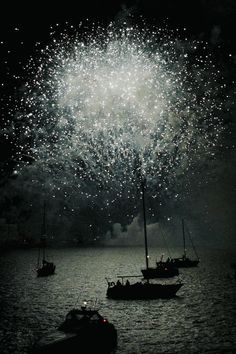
x,y
127,282
118,282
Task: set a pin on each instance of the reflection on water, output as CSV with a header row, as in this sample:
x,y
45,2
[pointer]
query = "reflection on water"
x,y
200,320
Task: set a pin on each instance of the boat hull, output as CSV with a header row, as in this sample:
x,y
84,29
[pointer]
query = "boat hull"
x,y
185,263
45,271
160,272
143,291
87,341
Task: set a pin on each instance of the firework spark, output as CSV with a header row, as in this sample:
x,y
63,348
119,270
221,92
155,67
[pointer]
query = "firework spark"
x,y
102,110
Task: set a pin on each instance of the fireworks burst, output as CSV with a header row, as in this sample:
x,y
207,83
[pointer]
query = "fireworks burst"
x,y
101,110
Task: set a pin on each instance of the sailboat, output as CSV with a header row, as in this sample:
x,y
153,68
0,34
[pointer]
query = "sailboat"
x,y
46,268
144,288
184,261
163,269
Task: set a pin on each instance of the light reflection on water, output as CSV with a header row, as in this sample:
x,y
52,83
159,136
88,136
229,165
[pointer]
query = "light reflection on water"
x,y
200,320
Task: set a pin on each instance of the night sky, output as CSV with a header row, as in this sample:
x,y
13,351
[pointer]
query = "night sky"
x,y
204,194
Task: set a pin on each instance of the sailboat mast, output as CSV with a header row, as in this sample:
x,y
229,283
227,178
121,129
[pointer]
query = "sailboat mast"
x,y
44,228
38,263
184,237
144,223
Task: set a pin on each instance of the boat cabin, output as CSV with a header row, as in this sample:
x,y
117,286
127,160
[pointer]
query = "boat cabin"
x,y
80,317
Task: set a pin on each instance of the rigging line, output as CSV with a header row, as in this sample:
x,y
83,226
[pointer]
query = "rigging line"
x,y
194,248
166,245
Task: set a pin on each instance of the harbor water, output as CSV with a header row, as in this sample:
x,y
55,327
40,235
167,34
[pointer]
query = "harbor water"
x,y
201,319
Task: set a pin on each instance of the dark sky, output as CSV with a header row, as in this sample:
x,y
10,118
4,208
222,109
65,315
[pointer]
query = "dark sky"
x,y
22,26
34,21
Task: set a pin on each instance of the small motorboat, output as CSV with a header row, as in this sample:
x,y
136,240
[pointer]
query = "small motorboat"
x,y
84,331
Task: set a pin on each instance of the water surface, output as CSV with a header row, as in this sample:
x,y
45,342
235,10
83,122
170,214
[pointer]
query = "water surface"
x,y
201,319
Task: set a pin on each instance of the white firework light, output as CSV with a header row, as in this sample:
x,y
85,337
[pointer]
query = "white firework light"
x,y
102,110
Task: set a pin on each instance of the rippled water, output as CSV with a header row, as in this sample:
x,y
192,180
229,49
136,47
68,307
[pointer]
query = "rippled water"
x,y
200,320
